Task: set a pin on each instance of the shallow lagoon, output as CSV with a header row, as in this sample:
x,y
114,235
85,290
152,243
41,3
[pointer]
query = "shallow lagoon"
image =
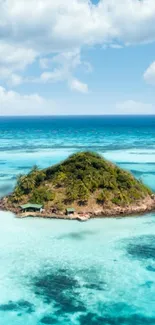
x,y
63,272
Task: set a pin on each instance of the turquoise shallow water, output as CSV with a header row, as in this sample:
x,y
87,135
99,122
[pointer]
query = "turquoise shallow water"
x,y
62,272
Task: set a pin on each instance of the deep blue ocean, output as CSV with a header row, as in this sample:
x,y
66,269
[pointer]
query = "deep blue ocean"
x,y
64,272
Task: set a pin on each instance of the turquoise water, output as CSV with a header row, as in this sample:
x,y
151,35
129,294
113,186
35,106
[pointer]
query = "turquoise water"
x,y
62,272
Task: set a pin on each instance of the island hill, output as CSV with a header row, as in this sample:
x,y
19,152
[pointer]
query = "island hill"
x,y
84,185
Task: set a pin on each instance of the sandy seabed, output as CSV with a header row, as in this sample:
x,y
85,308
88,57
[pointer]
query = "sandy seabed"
x,y
62,272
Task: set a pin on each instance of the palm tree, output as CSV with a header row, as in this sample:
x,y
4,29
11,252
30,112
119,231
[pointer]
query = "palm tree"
x,y
34,170
83,193
27,184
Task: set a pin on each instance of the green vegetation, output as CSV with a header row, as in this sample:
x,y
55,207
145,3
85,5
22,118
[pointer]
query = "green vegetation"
x,y
82,178
41,195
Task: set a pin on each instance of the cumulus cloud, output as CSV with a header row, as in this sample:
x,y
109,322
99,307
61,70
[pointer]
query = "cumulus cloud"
x,y
65,65
36,29
149,74
135,108
58,25
79,86
16,57
60,67
12,103
13,60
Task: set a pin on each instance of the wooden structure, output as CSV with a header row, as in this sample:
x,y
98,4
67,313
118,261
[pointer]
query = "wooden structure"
x,y
30,207
70,211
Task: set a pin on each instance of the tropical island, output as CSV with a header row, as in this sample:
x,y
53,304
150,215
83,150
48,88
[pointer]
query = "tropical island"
x,y
84,185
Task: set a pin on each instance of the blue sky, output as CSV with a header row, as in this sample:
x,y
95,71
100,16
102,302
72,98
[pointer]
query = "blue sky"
x,y
77,57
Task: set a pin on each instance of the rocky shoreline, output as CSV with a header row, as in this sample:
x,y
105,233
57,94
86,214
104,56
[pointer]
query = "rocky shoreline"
x,y
140,208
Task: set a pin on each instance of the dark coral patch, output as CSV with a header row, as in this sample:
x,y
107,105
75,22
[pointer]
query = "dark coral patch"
x,y
48,320
18,306
99,286
148,284
135,319
150,268
8,307
142,247
60,288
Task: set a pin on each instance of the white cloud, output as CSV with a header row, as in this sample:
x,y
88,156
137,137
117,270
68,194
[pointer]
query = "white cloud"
x,y
53,76
65,65
12,103
13,60
116,46
11,78
46,26
37,29
79,86
134,107
149,74
14,80
61,25
61,66
130,21
16,57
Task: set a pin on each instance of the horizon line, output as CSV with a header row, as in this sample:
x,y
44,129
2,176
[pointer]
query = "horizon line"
x,y
78,115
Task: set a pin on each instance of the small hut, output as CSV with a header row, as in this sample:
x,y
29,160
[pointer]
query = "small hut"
x,y
29,207
70,211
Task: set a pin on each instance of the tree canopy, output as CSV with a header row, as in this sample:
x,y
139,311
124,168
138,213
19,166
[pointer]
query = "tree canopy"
x,y
82,177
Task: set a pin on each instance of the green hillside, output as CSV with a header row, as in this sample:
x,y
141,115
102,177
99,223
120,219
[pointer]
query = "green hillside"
x,y
82,178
